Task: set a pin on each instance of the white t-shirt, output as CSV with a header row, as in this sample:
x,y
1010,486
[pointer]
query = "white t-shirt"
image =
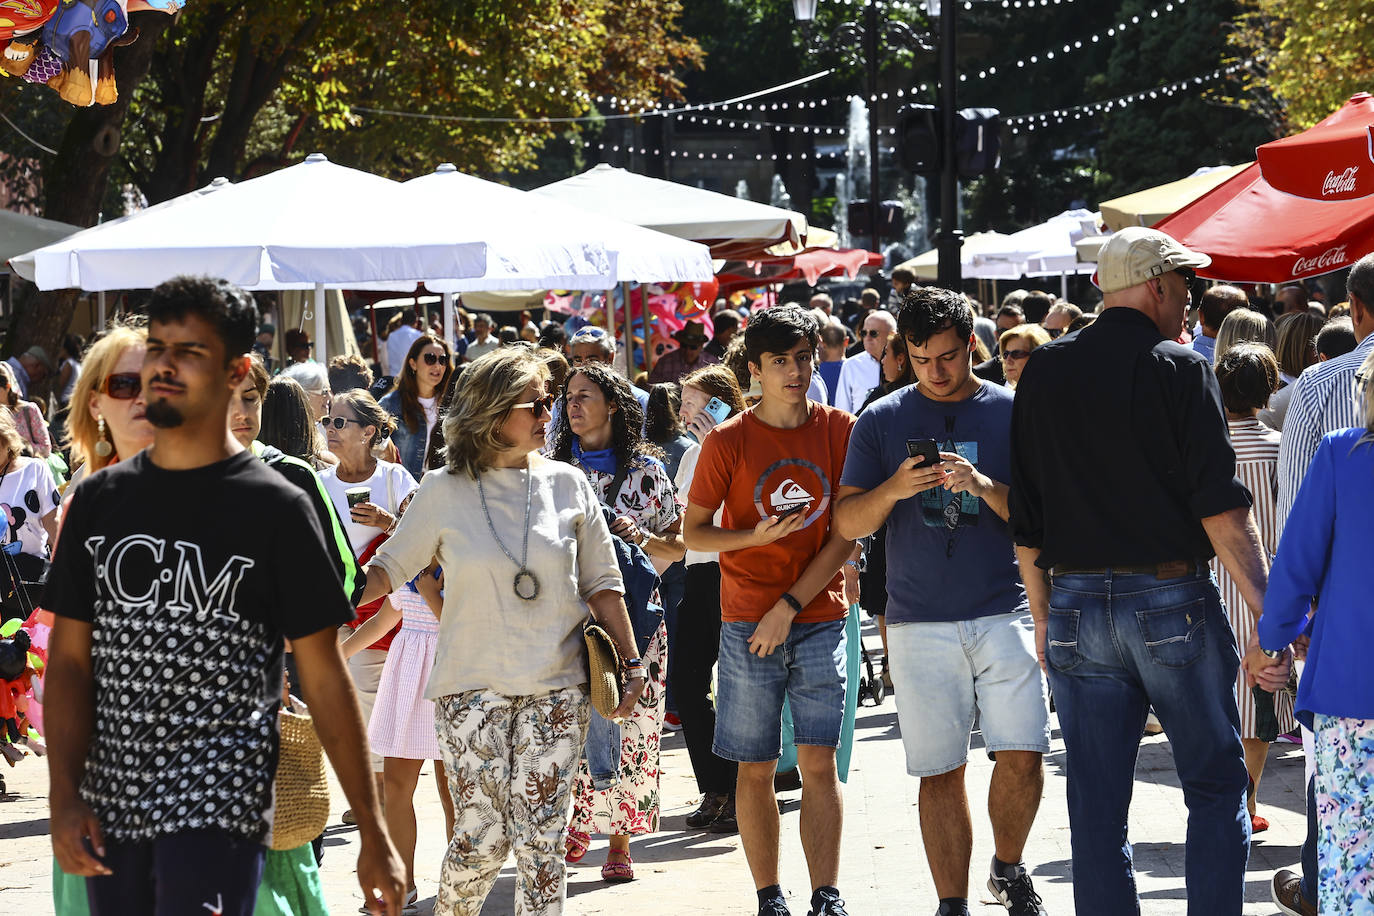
x,y
859,375
431,408
686,470
397,346
389,483
27,493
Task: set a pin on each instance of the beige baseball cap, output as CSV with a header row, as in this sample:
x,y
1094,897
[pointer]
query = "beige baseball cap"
x,y
1136,254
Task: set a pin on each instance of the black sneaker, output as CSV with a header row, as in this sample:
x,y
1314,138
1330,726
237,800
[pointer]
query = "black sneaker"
x,y
774,906
707,812
725,822
787,781
1017,894
831,905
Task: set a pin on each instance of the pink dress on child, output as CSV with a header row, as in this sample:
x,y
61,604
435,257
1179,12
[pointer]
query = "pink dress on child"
x,y
402,722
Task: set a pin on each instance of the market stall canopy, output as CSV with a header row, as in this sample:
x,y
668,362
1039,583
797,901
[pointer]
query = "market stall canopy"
x,y
20,232
308,224
501,214
1319,218
1147,207
926,265
1048,249
809,265
733,228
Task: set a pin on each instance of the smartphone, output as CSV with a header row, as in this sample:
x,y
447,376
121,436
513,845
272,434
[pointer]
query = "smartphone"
x,y
718,409
925,449
792,511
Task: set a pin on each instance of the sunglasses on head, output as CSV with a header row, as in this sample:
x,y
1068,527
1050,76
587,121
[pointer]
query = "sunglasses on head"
x,y
123,386
337,422
541,406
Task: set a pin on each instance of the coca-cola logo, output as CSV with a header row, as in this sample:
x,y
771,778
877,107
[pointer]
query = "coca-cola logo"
x,y
1326,261
1343,183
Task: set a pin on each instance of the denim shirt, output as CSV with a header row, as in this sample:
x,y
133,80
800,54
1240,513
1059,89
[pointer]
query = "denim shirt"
x,y
411,446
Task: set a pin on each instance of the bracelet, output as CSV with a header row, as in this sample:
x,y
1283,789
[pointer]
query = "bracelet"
x,y
632,663
640,672
791,602
858,567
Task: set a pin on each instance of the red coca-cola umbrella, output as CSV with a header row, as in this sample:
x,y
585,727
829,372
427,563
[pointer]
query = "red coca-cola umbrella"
x,y
1306,207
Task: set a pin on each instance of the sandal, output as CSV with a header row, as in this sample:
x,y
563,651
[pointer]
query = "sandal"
x,y
618,872
576,847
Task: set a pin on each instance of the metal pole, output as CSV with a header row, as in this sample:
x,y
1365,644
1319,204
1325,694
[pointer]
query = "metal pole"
x,y
100,309
448,319
629,334
321,327
871,64
1064,285
951,239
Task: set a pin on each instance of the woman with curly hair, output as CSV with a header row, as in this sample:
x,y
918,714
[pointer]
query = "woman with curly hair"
x,y
415,402
599,432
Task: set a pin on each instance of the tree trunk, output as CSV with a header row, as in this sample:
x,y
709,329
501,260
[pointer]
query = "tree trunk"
x,y
74,182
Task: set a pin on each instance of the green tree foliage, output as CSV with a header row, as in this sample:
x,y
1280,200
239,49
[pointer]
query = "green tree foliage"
x,y
1306,57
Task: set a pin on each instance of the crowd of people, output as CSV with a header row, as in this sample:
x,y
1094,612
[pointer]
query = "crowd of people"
x,y
414,560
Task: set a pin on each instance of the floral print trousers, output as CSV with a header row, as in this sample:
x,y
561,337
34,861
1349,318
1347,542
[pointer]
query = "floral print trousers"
x,y
1345,815
511,762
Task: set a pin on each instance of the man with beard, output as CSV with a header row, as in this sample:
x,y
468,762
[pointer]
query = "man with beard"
x,y
179,574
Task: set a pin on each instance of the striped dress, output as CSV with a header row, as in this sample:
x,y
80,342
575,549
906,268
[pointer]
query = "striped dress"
x,y
402,719
1257,466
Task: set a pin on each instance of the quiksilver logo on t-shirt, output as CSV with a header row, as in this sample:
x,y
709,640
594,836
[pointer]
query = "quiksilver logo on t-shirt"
x,y
789,484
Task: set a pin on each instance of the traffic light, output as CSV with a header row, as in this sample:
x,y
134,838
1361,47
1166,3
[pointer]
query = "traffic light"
x,y
977,140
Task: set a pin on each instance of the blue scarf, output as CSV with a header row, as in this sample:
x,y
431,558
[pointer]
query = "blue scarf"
x,y
602,460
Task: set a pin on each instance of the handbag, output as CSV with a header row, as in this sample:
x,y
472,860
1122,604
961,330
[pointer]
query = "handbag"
x,y
603,668
301,793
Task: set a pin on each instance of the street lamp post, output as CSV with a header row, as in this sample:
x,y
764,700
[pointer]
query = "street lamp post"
x,y
864,40
951,239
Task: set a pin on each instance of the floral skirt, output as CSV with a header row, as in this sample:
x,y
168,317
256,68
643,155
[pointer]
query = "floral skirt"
x,y
630,807
1344,750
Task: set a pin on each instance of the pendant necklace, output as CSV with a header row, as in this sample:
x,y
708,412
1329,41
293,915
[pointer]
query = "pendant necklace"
x,y
525,585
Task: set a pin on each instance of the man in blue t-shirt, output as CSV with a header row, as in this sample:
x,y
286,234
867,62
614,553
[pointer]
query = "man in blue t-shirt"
x,y
960,636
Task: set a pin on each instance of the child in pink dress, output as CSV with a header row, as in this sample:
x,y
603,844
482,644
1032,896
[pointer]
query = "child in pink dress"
x,y
402,726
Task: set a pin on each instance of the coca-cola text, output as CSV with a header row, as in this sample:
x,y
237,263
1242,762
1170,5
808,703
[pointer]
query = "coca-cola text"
x,y
1326,261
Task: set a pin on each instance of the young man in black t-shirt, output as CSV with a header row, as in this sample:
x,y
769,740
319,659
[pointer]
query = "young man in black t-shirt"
x,y
178,574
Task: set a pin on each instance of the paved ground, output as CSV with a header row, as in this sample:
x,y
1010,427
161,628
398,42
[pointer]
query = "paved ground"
x,y
883,870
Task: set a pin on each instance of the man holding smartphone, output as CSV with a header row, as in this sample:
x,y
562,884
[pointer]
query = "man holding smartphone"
x,y
783,609
929,460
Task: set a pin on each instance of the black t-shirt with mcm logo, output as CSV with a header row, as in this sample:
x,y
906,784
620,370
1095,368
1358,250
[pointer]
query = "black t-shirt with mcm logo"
x,y
190,580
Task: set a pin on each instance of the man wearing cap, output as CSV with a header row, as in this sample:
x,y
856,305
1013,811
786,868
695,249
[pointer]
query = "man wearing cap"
x,y
1114,531
30,368
689,355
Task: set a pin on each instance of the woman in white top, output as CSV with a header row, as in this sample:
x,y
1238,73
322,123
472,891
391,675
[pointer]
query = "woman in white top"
x,y
415,402
698,630
28,500
525,552
1248,375
355,426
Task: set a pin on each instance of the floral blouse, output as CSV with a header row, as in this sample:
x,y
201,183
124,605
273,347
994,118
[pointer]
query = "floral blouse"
x,y
647,496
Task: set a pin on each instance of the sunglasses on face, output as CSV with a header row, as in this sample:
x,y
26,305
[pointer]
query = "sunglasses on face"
x,y
432,359
542,406
871,332
1016,354
123,386
337,422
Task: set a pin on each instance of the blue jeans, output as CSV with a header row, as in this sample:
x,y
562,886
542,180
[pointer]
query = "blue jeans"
x,y
1117,645
602,751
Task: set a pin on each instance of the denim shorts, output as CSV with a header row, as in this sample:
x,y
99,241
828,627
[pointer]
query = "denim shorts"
x,y
810,669
942,671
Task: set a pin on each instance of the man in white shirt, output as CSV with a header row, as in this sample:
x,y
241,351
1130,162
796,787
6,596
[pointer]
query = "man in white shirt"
x,y
485,341
862,372
398,343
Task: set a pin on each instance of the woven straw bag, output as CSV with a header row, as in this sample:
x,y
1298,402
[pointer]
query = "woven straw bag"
x,y
302,789
603,668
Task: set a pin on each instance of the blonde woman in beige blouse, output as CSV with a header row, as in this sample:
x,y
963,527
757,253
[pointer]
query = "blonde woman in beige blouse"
x,y
525,553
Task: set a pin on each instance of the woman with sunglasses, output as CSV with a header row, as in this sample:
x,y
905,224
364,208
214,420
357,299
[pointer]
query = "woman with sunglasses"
x,y
599,432
28,418
1015,347
525,553
415,402
355,426
107,421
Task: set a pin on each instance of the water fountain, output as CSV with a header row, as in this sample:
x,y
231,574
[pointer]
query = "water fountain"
x,y
777,194
842,210
742,189
858,152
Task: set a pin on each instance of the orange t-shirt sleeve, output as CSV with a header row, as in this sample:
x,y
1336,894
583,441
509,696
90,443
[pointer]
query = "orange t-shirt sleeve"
x,y
711,482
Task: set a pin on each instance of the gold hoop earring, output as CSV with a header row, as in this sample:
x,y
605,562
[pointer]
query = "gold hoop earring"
x,y
103,448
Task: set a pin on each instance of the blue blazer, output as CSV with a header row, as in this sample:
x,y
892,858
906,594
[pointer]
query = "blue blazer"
x,y
1325,553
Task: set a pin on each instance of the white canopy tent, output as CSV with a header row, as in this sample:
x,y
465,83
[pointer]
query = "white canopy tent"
x,y
731,226
926,265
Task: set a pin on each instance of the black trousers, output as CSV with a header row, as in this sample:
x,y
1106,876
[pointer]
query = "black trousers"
x,y
698,646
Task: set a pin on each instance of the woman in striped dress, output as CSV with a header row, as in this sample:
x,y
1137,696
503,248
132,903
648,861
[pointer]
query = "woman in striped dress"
x,y
1248,374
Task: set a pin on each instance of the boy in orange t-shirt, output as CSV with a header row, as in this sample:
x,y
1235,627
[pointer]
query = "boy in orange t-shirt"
x,y
774,469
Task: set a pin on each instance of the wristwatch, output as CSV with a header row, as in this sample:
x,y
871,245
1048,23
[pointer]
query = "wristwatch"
x,y
1269,653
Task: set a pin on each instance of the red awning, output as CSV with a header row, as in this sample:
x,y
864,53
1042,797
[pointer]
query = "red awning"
x,y
809,265
1303,209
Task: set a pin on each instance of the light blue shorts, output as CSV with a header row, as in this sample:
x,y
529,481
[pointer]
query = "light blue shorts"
x,y
943,672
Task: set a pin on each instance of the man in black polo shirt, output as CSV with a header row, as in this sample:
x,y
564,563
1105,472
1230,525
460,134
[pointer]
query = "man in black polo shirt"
x,y
1124,521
